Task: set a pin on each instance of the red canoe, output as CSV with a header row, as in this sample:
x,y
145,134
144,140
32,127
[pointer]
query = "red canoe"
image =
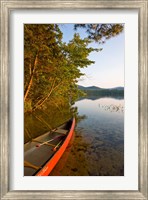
x,y
42,153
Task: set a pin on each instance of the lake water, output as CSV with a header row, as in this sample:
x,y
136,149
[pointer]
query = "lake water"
x,y
97,148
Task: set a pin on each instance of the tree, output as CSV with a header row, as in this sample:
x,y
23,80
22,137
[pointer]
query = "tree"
x,y
101,32
40,49
52,67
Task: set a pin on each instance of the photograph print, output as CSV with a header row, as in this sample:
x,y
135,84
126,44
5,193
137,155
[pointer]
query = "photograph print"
x,y
74,99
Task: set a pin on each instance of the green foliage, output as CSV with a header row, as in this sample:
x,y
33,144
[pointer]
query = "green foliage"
x,y
51,67
27,105
101,32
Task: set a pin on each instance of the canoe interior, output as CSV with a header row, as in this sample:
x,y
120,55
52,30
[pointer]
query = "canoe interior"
x,y
39,156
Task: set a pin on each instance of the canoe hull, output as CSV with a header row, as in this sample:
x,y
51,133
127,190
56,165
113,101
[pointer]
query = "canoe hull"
x,y
45,171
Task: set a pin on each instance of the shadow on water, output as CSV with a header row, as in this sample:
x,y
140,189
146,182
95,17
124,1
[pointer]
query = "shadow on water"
x,y
41,121
73,161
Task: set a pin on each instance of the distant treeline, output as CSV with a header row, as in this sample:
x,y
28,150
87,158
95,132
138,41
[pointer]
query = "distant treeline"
x,y
104,93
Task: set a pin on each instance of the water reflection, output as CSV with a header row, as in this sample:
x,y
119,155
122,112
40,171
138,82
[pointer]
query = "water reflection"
x,y
96,97
41,121
98,147
112,108
104,132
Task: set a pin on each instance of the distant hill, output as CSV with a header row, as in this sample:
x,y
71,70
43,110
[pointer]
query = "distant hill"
x,y
94,91
117,88
98,88
88,88
93,88
81,87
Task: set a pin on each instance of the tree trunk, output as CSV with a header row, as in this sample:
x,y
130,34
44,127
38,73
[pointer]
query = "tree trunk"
x,y
42,101
31,78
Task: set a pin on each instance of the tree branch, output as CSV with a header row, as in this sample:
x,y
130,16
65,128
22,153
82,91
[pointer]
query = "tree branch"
x,y
42,101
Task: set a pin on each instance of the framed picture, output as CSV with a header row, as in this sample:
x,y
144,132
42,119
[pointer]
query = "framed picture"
x,y
130,182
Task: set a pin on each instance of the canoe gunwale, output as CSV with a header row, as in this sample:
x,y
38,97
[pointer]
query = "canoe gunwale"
x,y
45,171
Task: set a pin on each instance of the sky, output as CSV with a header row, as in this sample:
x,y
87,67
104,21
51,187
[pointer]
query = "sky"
x,y
108,70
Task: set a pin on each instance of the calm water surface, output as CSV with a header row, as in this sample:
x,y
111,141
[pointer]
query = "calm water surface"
x,y
97,148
